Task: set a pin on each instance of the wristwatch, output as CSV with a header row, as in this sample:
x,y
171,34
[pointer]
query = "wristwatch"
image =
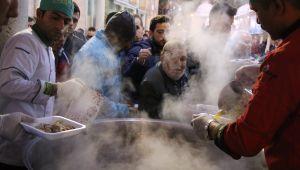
x,y
206,126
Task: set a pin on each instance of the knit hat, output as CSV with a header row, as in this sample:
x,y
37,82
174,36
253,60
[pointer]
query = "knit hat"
x,y
122,24
64,6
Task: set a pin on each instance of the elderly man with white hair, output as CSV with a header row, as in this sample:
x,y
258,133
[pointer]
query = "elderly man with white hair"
x,y
167,77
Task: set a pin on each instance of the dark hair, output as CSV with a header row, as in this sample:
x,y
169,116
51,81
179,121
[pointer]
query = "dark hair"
x,y
122,24
76,8
109,15
157,20
140,18
30,19
91,29
222,8
266,3
296,3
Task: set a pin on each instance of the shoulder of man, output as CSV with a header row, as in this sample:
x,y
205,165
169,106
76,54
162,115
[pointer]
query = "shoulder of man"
x,y
154,76
25,40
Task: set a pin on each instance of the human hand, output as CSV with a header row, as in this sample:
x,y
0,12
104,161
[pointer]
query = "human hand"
x,y
133,111
85,108
143,55
71,89
9,124
200,123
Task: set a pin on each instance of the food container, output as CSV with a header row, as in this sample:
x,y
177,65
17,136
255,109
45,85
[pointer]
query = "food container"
x,y
34,127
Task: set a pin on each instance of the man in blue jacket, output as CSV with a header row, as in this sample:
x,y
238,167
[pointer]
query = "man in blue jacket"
x,y
97,64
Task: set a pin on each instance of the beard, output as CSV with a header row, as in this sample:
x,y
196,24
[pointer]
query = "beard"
x,y
55,36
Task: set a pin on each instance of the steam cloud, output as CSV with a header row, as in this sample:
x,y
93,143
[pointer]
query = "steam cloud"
x,y
145,147
214,51
135,145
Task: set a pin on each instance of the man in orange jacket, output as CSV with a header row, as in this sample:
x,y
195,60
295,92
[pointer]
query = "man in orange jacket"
x,y
272,118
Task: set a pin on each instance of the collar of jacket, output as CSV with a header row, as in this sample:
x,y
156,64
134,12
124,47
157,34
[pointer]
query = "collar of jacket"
x,y
291,29
41,35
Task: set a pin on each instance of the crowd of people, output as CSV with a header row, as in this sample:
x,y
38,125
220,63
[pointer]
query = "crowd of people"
x,y
51,64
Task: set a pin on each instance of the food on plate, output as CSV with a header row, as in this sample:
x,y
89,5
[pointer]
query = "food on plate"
x,y
57,126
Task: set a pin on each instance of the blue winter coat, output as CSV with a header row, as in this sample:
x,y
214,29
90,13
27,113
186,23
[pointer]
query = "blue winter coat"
x,y
132,68
98,66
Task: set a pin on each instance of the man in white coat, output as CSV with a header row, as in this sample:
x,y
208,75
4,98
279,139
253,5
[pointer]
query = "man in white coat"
x,y
27,72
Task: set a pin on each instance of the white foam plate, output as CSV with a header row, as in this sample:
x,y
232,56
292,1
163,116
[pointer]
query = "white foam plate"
x,y
32,127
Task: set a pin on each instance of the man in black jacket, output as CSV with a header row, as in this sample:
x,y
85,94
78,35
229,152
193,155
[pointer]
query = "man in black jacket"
x,y
167,77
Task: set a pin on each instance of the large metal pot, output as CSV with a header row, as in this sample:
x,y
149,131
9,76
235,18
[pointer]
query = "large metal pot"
x,y
133,144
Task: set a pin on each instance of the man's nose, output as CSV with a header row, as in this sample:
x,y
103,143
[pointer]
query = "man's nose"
x,y
163,36
71,23
60,24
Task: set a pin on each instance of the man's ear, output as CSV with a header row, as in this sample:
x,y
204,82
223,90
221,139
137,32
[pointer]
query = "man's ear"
x,y
39,14
150,33
279,7
162,55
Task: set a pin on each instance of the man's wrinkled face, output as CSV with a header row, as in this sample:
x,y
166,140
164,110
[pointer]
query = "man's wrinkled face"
x,y
9,9
52,23
159,33
174,62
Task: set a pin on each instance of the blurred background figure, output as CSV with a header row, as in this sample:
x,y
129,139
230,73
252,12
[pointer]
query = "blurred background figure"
x,y
31,22
221,18
75,39
90,33
139,28
146,35
9,9
239,44
66,46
